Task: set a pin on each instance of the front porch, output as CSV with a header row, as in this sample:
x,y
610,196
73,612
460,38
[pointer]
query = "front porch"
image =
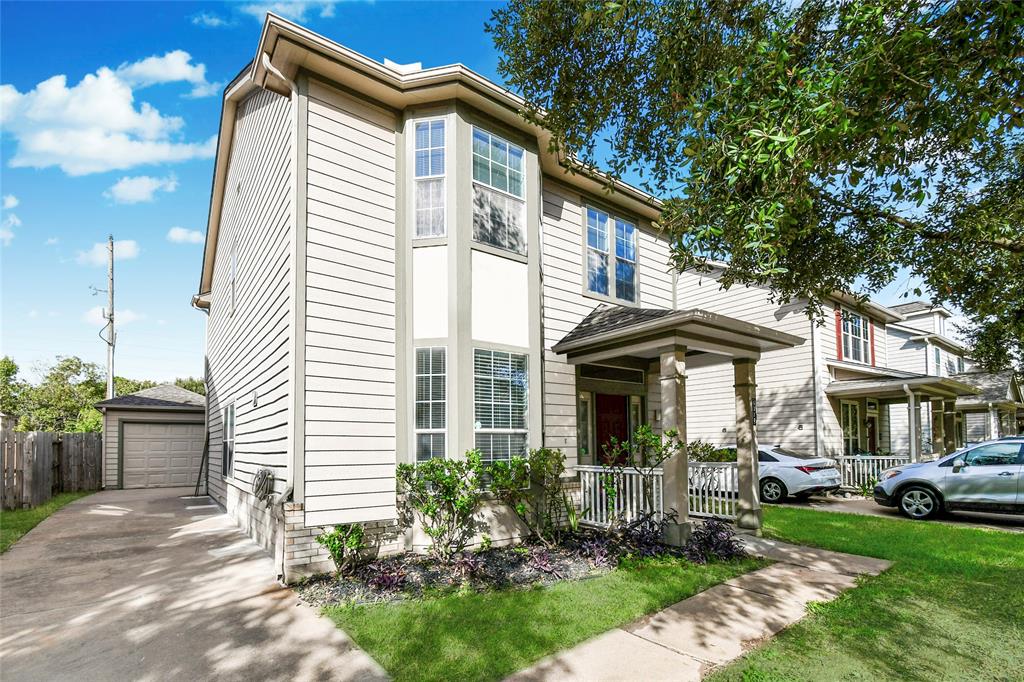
x,y
631,368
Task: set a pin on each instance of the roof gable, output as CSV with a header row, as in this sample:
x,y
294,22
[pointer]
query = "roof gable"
x,y
164,396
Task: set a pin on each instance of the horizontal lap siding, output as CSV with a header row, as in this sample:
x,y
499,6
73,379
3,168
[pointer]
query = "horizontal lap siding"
x,y
248,349
565,306
350,419
785,387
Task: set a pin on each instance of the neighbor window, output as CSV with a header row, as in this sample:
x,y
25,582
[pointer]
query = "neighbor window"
x,y
937,357
500,388
856,337
959,365
610,275
431,403
499,211
228,440
851,428
429,174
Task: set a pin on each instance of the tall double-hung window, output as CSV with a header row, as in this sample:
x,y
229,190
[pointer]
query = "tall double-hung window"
x,y
611,256
228,440
500,383
856,337
431,403
499,191
429,178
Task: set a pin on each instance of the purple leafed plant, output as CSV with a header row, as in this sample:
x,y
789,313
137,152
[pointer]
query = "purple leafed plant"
x,y
713,539
468,565
540,560
598,552
385,578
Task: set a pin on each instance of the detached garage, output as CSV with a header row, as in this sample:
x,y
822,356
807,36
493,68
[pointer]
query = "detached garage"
x,y
153,438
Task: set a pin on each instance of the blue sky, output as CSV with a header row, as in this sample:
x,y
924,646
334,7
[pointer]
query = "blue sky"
x,y
123,145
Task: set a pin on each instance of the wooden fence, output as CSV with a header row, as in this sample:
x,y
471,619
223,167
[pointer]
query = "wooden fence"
x,y
38,464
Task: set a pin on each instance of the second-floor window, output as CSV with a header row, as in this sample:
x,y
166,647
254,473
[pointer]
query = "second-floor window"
x,y
429,173
937,356
611,258
856,337
959,365
499,209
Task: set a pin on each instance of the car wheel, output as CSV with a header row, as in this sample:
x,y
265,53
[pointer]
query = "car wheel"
x,y
918,503
773,490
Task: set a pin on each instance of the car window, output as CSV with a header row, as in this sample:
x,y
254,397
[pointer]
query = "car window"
x,y
995,454
763,456
794,453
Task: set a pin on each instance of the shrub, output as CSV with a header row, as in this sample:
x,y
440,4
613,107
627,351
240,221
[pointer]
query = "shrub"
x,y
702,451
468,565
713,539
643,454
385,578
446,495
532,488
599,551
344,544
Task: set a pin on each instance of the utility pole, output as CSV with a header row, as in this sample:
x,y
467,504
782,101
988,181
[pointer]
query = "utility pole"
x,y
110,316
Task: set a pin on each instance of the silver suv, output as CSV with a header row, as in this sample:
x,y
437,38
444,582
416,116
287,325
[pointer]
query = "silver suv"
x,y
983,477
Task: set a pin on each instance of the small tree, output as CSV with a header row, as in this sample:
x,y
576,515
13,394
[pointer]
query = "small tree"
x,y
644,453
532,488
344,544
445,494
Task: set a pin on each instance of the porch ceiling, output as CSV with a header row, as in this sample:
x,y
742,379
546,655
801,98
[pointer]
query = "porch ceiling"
x,y
614,331
893,389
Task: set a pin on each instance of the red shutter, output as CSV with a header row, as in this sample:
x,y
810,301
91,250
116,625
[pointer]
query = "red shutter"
x,y
839,334
872,327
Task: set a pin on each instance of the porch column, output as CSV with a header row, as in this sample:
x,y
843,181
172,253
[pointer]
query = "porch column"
x,y
993,422
675,486
748,514
949,426
914,426
938,427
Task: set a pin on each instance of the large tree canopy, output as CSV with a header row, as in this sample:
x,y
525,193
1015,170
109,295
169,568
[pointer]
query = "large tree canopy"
x,y
817,146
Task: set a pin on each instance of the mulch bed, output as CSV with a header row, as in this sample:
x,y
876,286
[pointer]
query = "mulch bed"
x,y
494,569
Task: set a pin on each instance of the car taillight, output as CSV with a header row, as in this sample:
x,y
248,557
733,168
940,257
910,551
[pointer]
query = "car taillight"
x,y
806,470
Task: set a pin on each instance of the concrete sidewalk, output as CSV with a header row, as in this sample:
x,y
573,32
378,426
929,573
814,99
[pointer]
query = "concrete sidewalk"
x,y
688,640
148,585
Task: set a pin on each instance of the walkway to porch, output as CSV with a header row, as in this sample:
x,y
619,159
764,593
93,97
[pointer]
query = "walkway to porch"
x,y
689,639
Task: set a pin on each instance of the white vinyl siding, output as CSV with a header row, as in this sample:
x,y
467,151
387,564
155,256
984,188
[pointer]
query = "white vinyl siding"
x,y
500,387
350,429
248,338
499,209
429,171
856,337
431,404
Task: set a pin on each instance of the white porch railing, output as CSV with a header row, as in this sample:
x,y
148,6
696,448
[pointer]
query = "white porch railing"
x,y
714,489
713,492
859,471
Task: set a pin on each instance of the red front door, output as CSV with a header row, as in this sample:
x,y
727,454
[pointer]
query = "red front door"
x,y
611,420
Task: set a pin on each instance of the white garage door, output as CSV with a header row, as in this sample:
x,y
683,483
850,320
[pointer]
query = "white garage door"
x,y
162,455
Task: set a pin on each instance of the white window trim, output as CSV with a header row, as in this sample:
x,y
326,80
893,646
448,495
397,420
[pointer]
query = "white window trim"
x,y
610,253
228,439
497,190
419,178
526,398
865,340
416,375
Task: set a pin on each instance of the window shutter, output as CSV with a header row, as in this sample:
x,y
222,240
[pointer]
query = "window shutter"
x,y
839,334
871,327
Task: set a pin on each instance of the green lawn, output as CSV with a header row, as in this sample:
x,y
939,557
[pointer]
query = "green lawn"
x,y
950,608
14,524
487,636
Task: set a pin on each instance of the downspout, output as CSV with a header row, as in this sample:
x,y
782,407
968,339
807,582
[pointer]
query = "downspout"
x,y
819,446
204,307
913,417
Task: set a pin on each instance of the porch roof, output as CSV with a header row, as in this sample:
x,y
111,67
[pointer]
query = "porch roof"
x,y
893,388
998,388
616,331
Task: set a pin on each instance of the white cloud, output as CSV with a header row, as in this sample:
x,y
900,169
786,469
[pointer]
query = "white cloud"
x,y
174,67
95,126
94,316
10,201
133,190
10,222
51,241
181,235
296,10
207,20
124,249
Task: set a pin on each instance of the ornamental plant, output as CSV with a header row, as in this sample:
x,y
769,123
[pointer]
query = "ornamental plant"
x,y
344,544
642,454
532,488
445,494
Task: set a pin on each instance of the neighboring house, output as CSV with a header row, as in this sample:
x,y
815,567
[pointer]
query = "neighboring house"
x,y
842,393
397,268
153,438
996,411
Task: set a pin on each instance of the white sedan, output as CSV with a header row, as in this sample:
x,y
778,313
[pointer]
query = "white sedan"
x,y
783,472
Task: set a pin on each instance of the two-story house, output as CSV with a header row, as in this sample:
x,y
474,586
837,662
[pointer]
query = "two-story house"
x,y
398,268
842,393
922,343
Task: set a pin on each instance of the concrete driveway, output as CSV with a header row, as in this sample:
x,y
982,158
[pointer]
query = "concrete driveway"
x,y
860,505
148,585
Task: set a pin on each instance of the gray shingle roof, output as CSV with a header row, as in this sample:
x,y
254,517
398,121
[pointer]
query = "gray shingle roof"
x,y
912,307
994,387
166,396
605,318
